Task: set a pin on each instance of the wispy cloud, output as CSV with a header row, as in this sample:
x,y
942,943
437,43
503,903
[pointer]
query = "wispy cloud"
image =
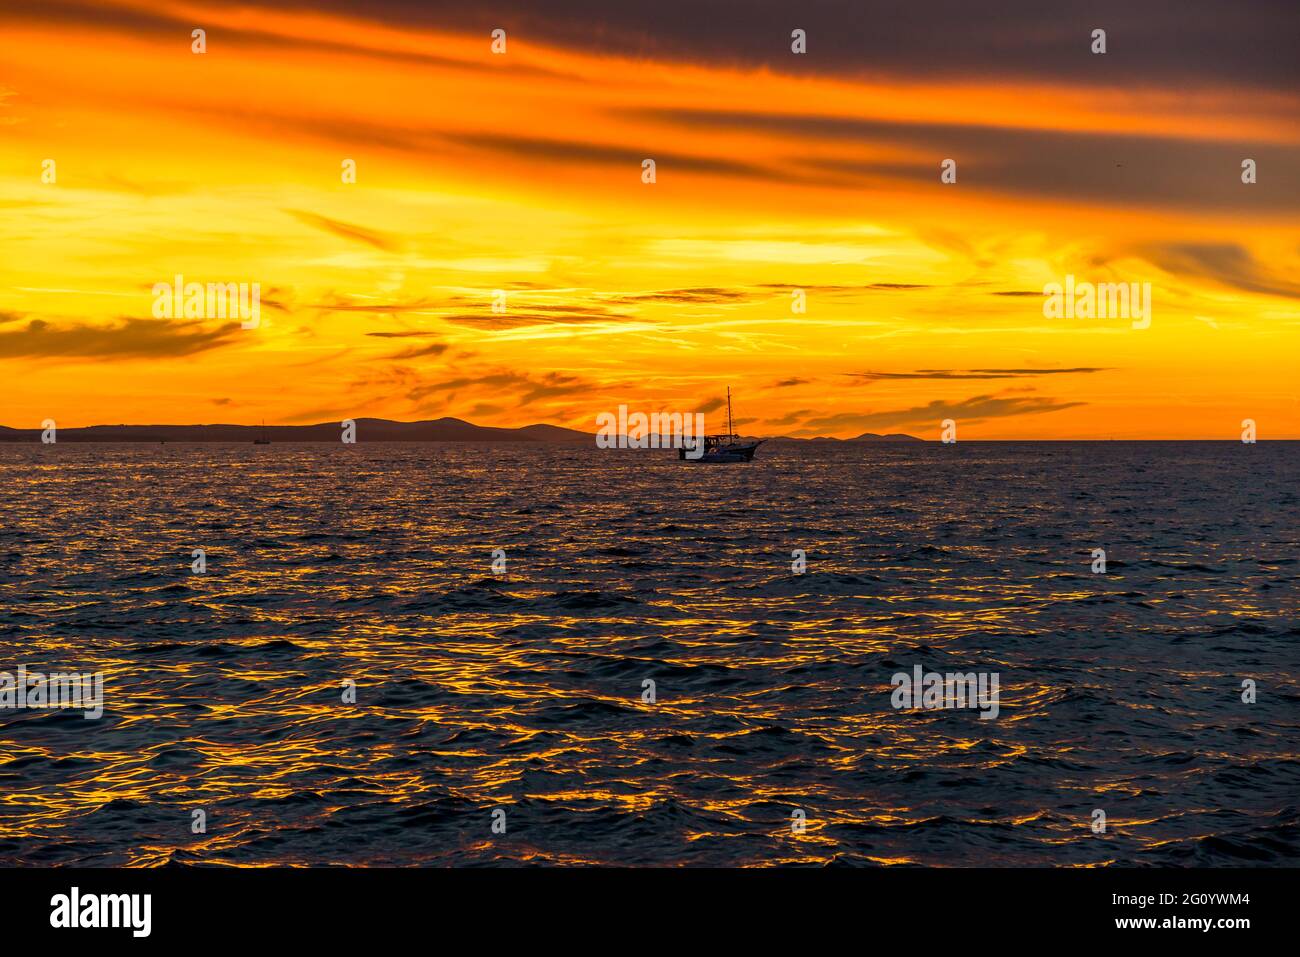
x,y
359,234
701,295
513,320
130,338
976,373
522,388
1229,264
975,409
415,352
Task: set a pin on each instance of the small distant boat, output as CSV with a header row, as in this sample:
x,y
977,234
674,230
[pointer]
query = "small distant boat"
x,y
723,448
264,439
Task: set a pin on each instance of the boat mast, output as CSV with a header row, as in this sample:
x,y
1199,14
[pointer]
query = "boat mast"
x,y
730,428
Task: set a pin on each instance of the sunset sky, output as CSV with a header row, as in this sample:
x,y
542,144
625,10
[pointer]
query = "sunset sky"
x,y
775,171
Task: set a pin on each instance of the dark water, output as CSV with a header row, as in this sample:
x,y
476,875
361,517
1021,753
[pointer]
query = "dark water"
x,y
1119,692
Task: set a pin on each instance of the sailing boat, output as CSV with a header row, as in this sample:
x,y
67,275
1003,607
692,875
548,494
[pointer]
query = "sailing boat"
x,y
723,448
264,439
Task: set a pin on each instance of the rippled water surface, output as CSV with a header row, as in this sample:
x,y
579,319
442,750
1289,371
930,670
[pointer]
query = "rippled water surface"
x,y
524,692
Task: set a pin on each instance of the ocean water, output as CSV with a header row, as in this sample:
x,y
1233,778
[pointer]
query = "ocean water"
x,y
479,693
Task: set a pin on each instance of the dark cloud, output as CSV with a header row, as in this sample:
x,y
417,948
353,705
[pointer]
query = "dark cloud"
x,y
584,152
130,338
1033,372
815,288
415,352
1226,263
1118,168
522,388
1129,168
584,309
722,296
159,24
370,237
711,405
975,409
1178,43
788,383
975,373
706,295
347,304
534,314
792,417
514,320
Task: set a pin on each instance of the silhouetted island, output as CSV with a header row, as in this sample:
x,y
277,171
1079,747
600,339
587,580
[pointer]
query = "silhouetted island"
x,y
367,430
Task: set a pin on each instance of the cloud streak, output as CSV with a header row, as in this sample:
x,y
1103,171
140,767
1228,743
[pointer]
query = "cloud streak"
x,y
129,339
976,373
973,410
359,234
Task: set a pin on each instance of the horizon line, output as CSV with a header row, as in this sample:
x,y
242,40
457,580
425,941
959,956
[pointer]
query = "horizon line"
x,y
905,436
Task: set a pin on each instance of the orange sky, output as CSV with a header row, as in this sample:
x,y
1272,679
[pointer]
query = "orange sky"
x,y
522,173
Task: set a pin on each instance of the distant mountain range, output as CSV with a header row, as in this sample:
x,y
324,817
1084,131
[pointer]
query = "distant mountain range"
x,y
864,437
367,430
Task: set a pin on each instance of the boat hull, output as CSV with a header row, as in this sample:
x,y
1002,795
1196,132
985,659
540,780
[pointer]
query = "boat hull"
x,y
730,453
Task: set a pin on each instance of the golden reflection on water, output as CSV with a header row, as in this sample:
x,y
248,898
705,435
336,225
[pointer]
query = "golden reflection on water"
x,y
224,690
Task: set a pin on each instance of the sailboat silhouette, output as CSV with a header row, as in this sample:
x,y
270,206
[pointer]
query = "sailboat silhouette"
x,y
722,448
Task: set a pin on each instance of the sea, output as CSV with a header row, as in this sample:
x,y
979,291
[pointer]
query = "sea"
x,y
526,654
